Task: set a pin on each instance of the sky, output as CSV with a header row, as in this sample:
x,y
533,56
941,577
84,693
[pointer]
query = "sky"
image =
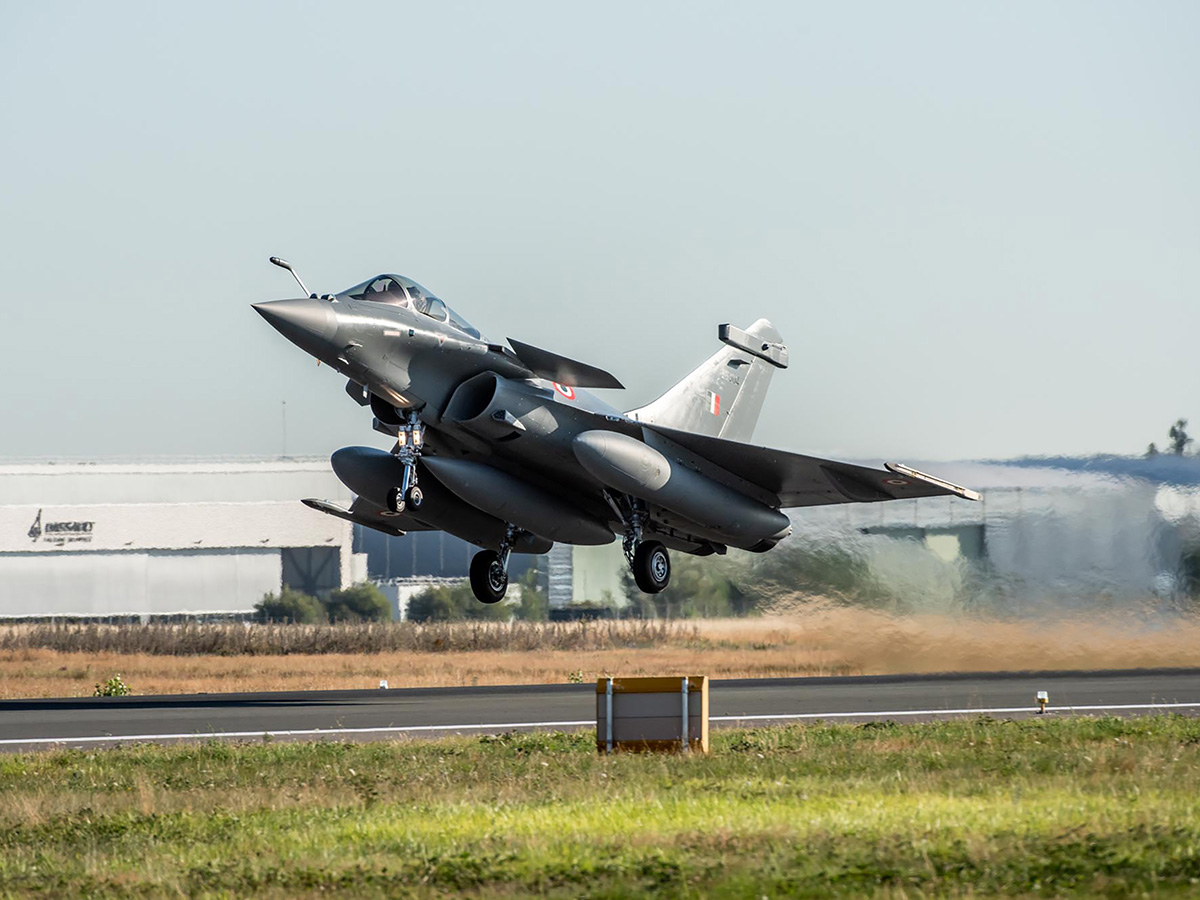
x,y
976,225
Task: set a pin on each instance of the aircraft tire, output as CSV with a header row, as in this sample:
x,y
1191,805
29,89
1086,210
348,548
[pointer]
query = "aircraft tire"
x,y
489,580
651,567
394,501
415,497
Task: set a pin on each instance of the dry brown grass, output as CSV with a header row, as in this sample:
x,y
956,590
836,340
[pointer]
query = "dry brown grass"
x,y
50,673
248,638
821,639
843,638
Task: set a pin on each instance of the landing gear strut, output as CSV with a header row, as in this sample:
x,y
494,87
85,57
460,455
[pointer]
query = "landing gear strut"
x,y
649,560
489,569
410,441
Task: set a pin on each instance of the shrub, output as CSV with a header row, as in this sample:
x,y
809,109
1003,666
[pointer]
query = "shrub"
x,y
359,603
114,687
585,610
290,605
451,603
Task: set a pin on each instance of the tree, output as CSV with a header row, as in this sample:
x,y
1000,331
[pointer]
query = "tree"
x,y
452,603
1152,450
362,602
641,606
803,568
700,587
290,605
1179,437
534,605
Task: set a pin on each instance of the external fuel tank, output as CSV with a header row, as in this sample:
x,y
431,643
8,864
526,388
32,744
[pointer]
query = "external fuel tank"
x,y
626,464
515,500
371,473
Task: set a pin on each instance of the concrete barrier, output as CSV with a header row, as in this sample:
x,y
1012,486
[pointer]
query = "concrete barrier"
x,y
652,714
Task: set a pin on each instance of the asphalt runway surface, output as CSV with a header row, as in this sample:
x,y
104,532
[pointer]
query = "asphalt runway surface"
x,y
429,712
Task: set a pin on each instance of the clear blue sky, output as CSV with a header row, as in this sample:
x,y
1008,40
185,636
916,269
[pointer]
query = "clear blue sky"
x,y
977,226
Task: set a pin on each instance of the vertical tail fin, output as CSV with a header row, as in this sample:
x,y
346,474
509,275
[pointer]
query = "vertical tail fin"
x,y
724,395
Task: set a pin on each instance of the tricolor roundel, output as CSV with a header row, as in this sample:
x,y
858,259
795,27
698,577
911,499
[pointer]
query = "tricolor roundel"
x,y
566,390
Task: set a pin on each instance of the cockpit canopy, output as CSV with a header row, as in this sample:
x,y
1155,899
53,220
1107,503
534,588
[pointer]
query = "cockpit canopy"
x,y
401,291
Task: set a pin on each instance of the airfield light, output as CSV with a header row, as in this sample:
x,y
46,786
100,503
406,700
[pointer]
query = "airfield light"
x,y
1043,698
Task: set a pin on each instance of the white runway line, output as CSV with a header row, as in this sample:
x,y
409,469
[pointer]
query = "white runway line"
x,y
945,712
305,732
501,726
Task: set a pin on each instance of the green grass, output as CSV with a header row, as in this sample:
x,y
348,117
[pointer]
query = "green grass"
x,y
1043,807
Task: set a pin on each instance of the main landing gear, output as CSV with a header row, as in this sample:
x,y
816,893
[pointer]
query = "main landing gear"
x,y
651,567
649,560
410,441
489,569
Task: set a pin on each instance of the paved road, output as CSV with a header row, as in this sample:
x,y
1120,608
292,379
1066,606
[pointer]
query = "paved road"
x,y
368,715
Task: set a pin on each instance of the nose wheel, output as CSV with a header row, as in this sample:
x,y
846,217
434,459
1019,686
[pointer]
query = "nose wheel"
x,y
398,501
410,441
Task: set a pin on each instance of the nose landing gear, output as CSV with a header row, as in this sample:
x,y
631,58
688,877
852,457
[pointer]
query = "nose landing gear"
x,y
410,441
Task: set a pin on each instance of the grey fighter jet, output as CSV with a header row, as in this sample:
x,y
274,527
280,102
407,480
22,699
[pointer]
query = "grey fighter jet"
x,y
504,446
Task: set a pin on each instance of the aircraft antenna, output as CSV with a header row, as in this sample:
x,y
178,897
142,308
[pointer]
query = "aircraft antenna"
x,y
284,264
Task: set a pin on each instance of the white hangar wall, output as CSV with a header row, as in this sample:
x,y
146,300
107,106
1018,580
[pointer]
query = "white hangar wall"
x,y
166,538
120,584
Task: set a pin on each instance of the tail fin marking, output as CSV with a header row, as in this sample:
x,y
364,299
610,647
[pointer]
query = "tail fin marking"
x,y
723,396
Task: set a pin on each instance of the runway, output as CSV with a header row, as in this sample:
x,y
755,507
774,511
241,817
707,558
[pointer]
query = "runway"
x,y
382,714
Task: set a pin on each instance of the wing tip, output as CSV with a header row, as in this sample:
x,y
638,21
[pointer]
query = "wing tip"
x,y
323,506
949,486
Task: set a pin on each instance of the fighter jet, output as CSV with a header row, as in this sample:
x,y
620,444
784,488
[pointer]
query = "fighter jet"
x,y
505,447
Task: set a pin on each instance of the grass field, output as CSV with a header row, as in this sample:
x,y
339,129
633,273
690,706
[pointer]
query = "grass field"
x,y
1043,807
823,639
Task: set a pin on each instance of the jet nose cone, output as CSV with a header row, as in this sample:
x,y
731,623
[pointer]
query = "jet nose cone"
x,y
307,323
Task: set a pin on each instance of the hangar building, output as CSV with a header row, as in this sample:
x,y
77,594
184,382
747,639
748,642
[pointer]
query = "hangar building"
x,y
211,537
